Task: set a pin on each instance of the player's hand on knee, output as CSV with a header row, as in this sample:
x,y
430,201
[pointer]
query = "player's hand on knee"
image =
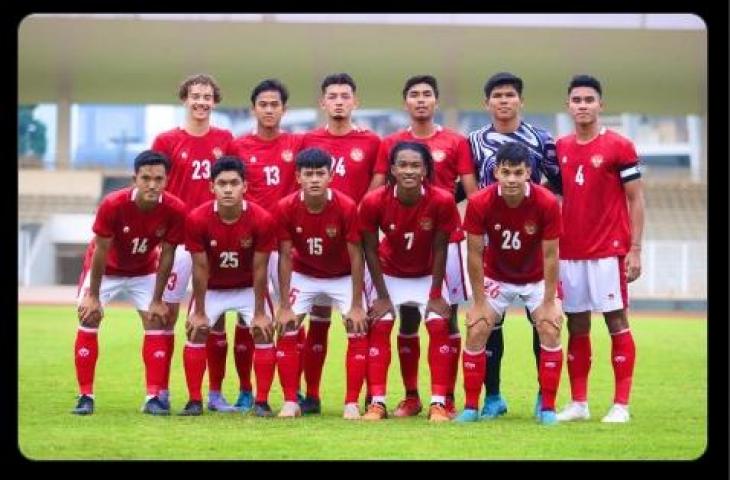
x,y
356,320
381,307
159,312
90,312
285,321
262,328
197,326
476,314
439,306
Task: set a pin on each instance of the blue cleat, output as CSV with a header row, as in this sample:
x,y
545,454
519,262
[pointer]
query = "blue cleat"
x,y
467,415
85,406
548,417
538,405
218,403
311,405
494,406
262,409
245,401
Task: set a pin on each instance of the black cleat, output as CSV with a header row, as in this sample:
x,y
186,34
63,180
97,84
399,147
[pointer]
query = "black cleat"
x,y
85,406
311,405
262,409
193,408
155,406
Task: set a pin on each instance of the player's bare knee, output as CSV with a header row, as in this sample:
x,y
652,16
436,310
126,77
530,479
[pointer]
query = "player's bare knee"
x,y
616,321
410,319
321,311
548,333
220,324
258,336
579,323
90,322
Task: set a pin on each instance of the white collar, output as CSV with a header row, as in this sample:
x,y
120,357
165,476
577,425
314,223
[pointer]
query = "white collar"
x,y
329,195
395,190
244,205
133,196
527,189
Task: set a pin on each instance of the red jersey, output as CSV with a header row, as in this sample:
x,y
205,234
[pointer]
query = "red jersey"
x,y
191,160
229,247
136,233
406,249
353,158
451,158
514,254
270,166
319,239
595,210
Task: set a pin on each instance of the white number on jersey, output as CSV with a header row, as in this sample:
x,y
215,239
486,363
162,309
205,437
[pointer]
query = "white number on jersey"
x,y
272,175
139,246
315,246
338,166
201,169
229,259
409,239
579,179
511,241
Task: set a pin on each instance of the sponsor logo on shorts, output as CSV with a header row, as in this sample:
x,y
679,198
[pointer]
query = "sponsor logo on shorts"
x,y
530,227
426,223
610,296
287,155
331,230
217,152
356,154
246,242
438,155
597,160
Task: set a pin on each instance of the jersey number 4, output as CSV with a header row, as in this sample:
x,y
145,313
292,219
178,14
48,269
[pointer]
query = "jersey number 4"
x,y
579,178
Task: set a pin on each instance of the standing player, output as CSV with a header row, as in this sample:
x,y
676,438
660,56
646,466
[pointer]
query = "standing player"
x,y
416,219
522,221
230,240
130,224
320,256
192,150
268,155
603,210
353,152
452,161
503,100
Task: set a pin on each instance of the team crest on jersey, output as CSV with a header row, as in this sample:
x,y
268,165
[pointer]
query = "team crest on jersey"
x,y
217,152
213,243
356,154
597,160
530,227
287,155
246,242
331,230
426,223
160,232
438,155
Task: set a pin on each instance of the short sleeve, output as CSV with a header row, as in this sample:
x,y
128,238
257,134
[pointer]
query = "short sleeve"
x,y
553,227
176,229
448,216
265,238
104,221
281,221
160,145
381,162
352,229
194,234
464,162
368,215
474,221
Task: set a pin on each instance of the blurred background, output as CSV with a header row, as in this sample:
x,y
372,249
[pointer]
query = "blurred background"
x,y
94,90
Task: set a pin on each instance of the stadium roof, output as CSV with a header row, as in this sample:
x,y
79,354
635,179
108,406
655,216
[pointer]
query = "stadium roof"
x,y
648,63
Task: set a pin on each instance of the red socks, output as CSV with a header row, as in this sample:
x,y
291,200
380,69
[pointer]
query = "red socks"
x,y
439,355
315,352
301,342
86,351
474,365
287,361
379,356
194,360
357,366
264,366
551,364
170,349
623,356
409,353
216,348
154,355
455,344
243,356
579,364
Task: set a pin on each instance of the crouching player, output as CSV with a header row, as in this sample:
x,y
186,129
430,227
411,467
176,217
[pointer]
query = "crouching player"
x,y
408,268
320,258
230,240
130,224
523,223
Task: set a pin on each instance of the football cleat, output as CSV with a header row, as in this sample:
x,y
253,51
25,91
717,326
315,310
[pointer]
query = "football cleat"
x,y
467,415
408,407
85,406
262,409
547,417
450,407
617,414
244,403
290,410
311,405
437,413
574,411
538,405
218,403
376,411
494,406
193,408
351,412
154,406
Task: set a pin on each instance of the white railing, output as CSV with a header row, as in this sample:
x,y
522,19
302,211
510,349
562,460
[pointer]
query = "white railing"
x,y
672,269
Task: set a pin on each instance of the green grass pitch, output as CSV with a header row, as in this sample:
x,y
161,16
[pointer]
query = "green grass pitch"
x,y
668,403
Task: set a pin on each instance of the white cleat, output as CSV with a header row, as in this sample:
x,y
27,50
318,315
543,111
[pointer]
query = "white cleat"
x,y
352,412
290,410
617,414
574,411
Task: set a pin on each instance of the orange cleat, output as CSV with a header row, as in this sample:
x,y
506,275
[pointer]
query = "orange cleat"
x,y
437,413
450,408
376,411
408,407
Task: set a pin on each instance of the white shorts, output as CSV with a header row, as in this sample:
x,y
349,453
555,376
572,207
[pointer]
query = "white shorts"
x,y
307,291
177,282
455,276
409,291
272,275
501,295
139,289
240,300
593,285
